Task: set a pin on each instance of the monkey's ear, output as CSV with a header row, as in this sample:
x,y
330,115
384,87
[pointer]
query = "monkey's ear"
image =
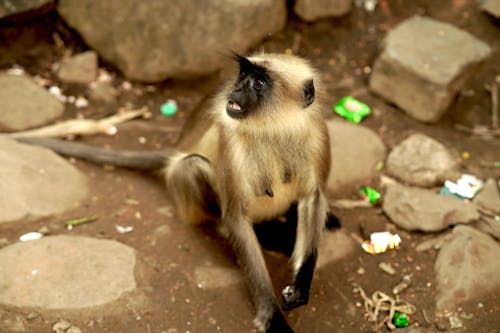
x,y
308,93
244,63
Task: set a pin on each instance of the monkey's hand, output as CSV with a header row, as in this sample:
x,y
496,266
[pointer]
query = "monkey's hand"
x,y
293,297
277,324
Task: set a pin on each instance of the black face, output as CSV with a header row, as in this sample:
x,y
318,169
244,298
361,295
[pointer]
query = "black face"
x,y
251,89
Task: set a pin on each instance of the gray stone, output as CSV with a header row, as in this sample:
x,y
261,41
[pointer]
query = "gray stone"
x,y
491,7
10,8
65,272
103,92
422,161
154,40
211,277
25,104
423,65
466,268
80,68
489,197
36,182
413,208
334,246
355,150
311,10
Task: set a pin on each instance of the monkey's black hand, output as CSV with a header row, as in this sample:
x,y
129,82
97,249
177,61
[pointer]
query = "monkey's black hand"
x,y
293,297
278,324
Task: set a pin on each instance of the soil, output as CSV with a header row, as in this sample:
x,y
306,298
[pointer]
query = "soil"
x,y
167,299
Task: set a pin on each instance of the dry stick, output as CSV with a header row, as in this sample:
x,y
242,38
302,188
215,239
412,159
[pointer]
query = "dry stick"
x,y
351,204
80,126
494,102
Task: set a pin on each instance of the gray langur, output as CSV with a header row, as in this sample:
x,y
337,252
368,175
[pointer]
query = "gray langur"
x,y
261,150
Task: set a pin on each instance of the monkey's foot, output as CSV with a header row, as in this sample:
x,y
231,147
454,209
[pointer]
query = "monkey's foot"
x,y
277,324
293,298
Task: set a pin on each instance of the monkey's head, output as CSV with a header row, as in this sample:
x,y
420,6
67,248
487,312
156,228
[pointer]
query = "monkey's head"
x,y
270,83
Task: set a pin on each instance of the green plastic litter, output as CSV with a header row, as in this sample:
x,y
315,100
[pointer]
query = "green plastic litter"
x,y
169,108
497,164
370,193
400,319
351,109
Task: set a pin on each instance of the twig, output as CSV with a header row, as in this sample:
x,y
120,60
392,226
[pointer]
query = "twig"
x,y
82,220
478,130
81,126
350,204
494,102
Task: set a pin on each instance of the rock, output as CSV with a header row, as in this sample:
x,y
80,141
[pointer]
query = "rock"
x,y
13,323
423,65
155,40
489,197
412,208
79,272
491,7
25,104
466,268
24,9
103,92
36,182
334,246
355,150
422,161
209,277
61,326
80,68
311,10
490,226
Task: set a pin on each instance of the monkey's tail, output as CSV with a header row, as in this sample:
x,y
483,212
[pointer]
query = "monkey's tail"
x,y
138,160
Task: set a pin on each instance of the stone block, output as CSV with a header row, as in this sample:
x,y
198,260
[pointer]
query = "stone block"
x,y
423,65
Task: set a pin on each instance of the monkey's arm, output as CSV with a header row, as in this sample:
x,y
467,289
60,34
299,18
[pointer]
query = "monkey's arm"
x,y
268,318
312,215
139,160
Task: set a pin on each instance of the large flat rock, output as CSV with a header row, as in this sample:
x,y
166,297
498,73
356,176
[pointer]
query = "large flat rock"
x,y
413,208
156,39
423,65
355,151
466,268
65,272
35,182
25,104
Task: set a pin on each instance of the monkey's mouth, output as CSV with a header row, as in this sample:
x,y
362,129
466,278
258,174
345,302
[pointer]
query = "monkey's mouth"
x,y
234,110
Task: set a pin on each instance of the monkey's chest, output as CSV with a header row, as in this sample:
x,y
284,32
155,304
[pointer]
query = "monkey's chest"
x,y
264,206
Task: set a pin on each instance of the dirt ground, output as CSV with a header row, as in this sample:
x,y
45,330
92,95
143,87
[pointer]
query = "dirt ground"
x,y
167,299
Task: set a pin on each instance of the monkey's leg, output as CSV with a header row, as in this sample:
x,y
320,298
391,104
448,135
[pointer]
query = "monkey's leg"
x,y
312,213
268,318
191,183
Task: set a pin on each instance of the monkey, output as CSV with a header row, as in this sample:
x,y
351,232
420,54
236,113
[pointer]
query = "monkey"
x,y
261,151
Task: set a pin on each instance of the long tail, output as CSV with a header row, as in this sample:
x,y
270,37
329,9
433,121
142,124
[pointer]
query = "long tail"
x,y
138,160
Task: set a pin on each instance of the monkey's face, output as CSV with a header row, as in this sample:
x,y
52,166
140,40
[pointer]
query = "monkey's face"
x,y
252,89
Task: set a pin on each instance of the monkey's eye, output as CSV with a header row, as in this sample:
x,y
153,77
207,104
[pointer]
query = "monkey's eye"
x,y
258,84
242,75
